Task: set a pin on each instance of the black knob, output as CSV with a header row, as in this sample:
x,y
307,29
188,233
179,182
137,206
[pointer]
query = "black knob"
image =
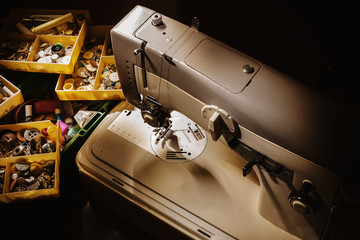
x,y
301,202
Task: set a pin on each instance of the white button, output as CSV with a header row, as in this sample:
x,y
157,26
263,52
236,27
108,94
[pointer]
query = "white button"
x,y
114,77
46,59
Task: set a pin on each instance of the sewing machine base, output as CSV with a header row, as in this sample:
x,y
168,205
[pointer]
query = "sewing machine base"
x,y
206,198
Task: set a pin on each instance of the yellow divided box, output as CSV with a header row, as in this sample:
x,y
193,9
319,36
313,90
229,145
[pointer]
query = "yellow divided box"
x,y
15,97
29,62
94,93
30,177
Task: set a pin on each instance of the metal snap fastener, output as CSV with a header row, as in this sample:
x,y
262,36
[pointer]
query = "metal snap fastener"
x,y
22,149
19,150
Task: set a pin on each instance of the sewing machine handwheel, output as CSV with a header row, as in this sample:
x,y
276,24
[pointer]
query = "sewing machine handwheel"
x,y
301,202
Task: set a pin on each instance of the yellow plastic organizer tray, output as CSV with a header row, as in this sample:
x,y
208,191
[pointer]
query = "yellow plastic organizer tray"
x,y
15,97
105,58
9,37
38,184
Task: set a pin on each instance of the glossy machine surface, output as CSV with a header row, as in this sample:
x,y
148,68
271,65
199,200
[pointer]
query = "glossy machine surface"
x,y
261,99
206,198
291,194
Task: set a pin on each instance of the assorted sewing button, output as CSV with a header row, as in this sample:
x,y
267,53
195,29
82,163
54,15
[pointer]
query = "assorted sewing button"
x,y
57,53
25,30
5,93
83,77
26,141
15,51
27,175
109,78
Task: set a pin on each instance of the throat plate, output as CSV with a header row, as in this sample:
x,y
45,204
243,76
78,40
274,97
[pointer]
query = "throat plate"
x,y
183,142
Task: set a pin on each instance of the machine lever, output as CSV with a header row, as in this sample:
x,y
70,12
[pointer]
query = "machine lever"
x,y
255,158
248,167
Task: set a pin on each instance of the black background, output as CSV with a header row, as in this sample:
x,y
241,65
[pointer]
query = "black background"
x,y
314,42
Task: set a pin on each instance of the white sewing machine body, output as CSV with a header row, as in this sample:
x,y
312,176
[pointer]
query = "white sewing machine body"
x,y
271,123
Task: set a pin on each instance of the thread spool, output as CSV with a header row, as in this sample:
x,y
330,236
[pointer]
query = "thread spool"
x,y
58,114
45,106
5,91
58,48
8,91
69,121
28,113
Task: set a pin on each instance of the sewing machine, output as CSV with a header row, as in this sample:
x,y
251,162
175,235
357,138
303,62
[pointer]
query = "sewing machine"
x,y
214,144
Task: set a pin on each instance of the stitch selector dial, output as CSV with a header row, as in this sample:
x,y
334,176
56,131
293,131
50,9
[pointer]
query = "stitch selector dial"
x,y
301,202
